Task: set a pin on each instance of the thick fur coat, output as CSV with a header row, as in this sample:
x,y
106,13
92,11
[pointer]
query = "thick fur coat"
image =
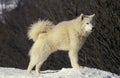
x,y
67,35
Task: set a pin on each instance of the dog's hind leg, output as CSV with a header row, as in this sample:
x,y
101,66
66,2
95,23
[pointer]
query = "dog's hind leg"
x,y
44,56
37,68
32,63
38,54
34,56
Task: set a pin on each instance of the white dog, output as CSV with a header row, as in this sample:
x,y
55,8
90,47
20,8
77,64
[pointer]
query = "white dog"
x,y
67,35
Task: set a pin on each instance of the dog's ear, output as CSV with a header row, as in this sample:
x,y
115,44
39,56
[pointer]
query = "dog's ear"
x,y
81,17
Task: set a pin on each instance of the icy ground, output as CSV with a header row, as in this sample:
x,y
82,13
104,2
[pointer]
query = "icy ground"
x,y
63,73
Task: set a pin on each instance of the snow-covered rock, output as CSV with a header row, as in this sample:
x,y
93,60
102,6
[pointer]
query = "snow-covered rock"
x,y
7,5
63,73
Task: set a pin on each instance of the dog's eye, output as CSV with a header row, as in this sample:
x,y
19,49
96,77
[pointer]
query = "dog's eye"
x,y
87,23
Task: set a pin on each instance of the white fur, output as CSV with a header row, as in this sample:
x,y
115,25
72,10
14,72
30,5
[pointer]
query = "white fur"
x,y
39,27
66,35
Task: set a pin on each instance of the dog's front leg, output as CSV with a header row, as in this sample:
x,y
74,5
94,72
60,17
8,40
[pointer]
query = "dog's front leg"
x,y
75,45
73,55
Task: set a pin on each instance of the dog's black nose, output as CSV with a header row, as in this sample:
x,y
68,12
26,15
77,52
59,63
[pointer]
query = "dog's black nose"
x,y
93,23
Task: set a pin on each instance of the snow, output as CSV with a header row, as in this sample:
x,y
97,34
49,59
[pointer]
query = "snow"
x,y
63,73
8,5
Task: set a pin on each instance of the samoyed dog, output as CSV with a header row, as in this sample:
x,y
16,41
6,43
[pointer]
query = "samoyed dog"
x,y
66,35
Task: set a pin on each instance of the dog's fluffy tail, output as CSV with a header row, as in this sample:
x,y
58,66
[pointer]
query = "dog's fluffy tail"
x,y
39,28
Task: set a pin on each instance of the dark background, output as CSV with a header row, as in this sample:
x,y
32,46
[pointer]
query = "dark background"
x,y
101,50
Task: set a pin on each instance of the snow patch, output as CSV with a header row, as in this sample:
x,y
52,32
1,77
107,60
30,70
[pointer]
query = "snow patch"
x,y
8,5
63,73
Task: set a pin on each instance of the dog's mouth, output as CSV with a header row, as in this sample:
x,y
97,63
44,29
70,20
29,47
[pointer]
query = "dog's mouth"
x,y
93,24
93,29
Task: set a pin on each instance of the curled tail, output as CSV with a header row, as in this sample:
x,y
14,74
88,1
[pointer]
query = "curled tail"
x,y
39,28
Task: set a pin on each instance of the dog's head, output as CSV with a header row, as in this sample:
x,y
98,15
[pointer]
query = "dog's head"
x,y
87,22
